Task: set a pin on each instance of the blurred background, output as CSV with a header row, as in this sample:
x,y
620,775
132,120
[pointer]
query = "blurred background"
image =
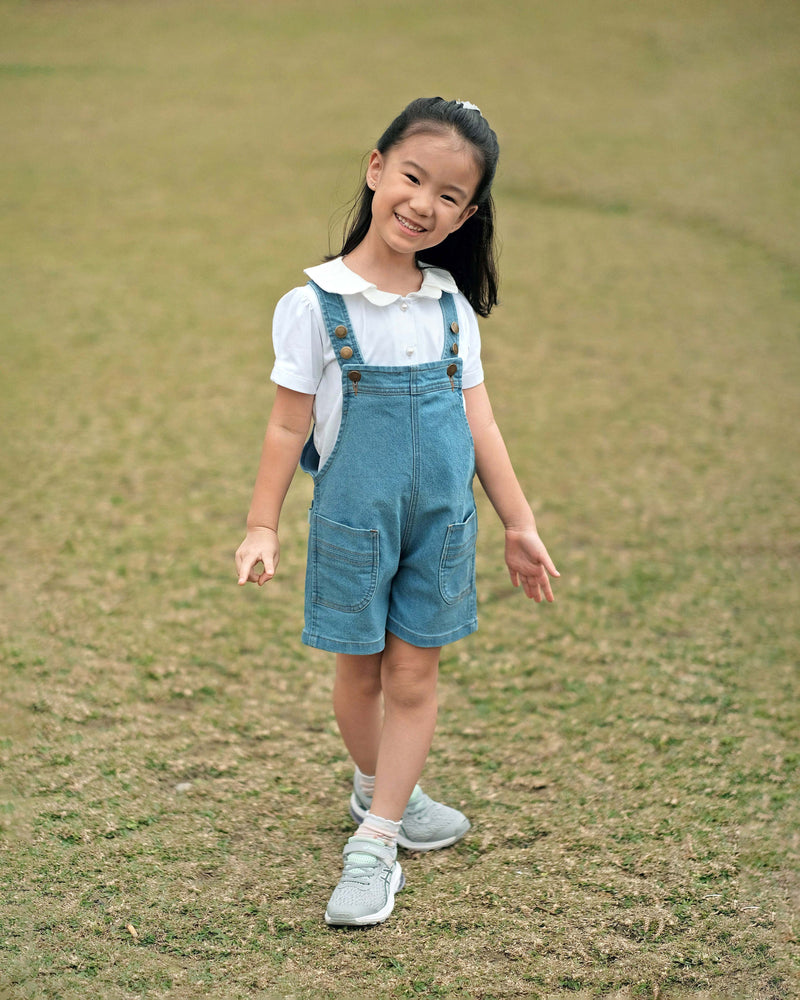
x,y
168,170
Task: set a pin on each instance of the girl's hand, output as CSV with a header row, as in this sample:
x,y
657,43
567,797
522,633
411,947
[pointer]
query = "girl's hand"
x,y
260,547
529,563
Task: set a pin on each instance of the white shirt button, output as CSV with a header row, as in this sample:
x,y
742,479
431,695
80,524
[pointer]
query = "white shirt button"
x,y
410,350
404,306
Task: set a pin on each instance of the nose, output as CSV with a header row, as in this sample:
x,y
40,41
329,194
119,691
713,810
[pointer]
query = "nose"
x,y
422,202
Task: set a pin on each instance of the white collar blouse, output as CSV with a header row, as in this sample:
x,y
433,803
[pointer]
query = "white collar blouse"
x,y
391,330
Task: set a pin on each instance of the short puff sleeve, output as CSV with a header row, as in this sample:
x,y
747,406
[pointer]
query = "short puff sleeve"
x,y
472,373
298,343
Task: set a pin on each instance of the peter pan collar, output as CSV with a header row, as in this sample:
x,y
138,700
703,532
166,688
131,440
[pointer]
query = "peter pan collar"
x,y
335,276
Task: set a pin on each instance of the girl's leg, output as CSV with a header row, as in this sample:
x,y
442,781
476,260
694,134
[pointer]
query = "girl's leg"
x,y
386,707
409,675
358,706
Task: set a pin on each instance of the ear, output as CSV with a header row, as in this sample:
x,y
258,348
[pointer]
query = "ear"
x,y
466,214
374,168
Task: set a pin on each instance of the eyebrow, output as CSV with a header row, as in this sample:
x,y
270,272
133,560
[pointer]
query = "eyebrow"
x,y
421,170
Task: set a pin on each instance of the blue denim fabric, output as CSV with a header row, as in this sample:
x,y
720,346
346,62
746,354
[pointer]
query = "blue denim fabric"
x,y
393,524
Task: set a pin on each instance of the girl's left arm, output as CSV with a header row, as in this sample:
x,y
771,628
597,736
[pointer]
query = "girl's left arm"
x,y
527,558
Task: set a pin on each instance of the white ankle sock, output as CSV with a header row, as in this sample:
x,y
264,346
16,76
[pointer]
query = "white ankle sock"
x,y
365,783
379,828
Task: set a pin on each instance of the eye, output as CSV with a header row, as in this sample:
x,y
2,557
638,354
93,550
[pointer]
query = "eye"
x,y
412,178
450,198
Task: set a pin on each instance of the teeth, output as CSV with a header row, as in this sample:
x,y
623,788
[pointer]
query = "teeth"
x,y
409,225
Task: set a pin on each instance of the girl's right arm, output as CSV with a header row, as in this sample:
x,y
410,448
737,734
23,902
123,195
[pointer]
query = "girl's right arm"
x,y
283,443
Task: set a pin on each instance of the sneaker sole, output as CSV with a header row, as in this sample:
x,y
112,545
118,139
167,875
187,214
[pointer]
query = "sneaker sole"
x,y
358,814
396,884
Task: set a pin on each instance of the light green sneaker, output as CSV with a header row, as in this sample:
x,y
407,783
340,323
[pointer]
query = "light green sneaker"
x,y
365,893
426,825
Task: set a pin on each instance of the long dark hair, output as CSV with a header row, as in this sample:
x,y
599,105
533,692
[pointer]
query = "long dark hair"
x,y
469,252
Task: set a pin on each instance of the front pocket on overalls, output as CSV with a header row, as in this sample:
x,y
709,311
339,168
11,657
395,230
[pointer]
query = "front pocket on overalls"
x,y
345,563
457,567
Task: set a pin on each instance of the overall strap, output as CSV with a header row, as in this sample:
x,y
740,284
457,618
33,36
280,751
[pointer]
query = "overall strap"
x,y
450,317
340,329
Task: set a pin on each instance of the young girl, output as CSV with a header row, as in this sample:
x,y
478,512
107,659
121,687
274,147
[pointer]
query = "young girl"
x,y
381,349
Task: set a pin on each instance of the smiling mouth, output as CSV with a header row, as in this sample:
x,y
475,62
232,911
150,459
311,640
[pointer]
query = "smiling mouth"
x,y
408,224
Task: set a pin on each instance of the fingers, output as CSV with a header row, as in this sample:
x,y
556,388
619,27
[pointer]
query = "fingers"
x,y
530,565
537,591
537,587
550,566
245,564
532,589
547,562
249,572
265,576
253,575
538,583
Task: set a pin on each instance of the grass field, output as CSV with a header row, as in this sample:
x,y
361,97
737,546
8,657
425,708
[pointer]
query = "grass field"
x,y
173,788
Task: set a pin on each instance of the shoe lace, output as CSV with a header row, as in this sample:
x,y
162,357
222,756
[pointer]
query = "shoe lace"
x,y
359,868
421,804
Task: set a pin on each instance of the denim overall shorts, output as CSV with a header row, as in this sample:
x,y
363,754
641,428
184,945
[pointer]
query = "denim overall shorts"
x,y
393,524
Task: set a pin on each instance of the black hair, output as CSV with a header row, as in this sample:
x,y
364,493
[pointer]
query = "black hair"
x,y
468,253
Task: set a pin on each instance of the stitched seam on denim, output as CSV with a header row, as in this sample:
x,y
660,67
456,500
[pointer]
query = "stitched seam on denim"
x,y
312,637
367,388
365,565
338,443
412,507
344,555
458,556
427,368
350,609
436,638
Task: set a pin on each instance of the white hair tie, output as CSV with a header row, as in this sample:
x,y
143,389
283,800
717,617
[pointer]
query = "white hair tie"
x,y
469,107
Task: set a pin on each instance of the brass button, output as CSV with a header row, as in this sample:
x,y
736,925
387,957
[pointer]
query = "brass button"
x,y
354,376
454,349
454,326
451,370
346,352
341,332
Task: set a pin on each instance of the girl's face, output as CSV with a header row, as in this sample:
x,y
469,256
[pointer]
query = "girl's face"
x,y
423,188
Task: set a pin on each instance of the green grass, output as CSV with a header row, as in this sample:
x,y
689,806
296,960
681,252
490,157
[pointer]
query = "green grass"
x,y
629,756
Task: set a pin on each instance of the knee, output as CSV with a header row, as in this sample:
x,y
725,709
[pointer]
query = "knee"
x,y
359,677
409,685
359,687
